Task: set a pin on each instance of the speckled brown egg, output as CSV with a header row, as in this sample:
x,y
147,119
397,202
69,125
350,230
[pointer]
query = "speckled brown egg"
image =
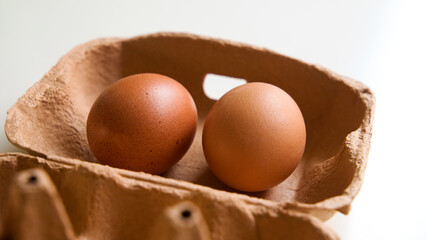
x,y
143,122
254,137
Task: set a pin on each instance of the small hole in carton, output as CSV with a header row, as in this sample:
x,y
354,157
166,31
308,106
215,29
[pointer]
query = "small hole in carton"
x,y
186,213
32,179
215,85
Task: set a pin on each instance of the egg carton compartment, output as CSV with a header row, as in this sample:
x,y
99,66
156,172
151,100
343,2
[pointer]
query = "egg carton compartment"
x,y
49,121
90,201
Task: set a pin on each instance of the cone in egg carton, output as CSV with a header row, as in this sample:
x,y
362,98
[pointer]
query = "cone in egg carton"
x,y
59,198
49,121
34,210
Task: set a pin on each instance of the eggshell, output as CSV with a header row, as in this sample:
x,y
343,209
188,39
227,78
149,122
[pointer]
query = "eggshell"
x,y
143,122
50,119
254,137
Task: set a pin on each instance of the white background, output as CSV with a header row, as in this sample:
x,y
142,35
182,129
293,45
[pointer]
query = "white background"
x,y
380,43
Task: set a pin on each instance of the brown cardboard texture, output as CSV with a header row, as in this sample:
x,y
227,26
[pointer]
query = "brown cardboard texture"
x,y
50,119
110,203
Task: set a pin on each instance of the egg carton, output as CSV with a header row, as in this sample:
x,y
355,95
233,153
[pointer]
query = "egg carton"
x,y
49,122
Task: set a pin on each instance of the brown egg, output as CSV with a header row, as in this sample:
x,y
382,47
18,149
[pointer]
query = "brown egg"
x,y
144,122
254,137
